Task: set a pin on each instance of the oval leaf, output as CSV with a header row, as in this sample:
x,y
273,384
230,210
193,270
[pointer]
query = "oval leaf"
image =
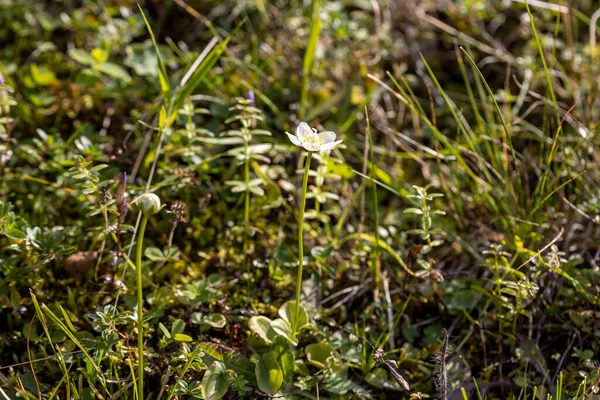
x,y
182,337
81,56
283,328
215,320
114,70
215,381
317,354
269,376
286,357
260,325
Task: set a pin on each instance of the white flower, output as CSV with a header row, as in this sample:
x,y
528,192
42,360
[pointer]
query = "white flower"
x,y
312,140
149,203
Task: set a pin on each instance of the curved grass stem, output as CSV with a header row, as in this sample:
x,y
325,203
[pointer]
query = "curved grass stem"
x,y
301,243
140,300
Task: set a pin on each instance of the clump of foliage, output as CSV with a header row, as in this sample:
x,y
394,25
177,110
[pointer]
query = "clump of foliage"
x,y
161,238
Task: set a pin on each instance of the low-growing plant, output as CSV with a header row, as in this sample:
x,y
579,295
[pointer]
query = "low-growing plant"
x,y
447,250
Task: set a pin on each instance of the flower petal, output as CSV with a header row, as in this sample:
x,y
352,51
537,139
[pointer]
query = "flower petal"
x,y
329,146
303,130
294,139
326,137
311,146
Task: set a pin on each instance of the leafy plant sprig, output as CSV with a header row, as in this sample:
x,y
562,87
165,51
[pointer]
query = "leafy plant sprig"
x,y
425,212
247,115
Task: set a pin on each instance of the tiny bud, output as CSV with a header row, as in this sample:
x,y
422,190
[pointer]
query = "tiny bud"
x,y
122,187
250,96
122,208
149,203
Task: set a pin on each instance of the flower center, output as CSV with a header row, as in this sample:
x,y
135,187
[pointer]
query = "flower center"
x,y
313,139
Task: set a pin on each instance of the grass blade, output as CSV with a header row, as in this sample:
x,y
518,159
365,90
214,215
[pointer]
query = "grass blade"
x,y
199,74
506,139
309,55
542,185
75,339
165,87
59,357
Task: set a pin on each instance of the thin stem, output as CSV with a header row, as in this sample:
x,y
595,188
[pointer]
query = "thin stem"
x,y
103,245
140,300
247,199
376,268
301,242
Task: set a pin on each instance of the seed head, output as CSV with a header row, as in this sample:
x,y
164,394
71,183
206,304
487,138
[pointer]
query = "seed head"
x,y
149,203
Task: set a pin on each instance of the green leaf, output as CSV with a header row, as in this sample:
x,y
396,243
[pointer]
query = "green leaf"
x,y
256,190
337,382
93,367
283,328
211,352
14,233
81,56
236,188
163,117
260,325
164,330
181,337
286,357
114,70
142,58
215,381
269,376
220,140
317,354
241,365
42,76
154,254
288,312
177,327
165,87
67,319
215,320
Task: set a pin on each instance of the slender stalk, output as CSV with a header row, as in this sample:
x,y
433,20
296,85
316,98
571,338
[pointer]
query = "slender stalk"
x,y
301,242
140,300
103,245
376,265
247,199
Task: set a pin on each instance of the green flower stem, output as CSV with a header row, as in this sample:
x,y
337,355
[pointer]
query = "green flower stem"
x,y
246,201
376,267
140,300
301,243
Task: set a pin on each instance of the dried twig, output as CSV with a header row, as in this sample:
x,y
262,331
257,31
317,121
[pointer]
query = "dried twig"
x,y
378,355
441,374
